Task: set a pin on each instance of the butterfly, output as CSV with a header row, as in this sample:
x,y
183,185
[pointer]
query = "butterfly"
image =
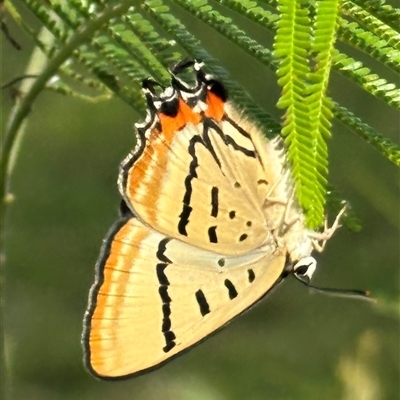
x,y
209,224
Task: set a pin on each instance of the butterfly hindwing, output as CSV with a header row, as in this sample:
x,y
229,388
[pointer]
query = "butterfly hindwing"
x,y
155,296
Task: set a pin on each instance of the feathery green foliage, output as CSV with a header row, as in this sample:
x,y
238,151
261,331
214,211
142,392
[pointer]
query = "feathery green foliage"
x,y
108,47
98,49
301,40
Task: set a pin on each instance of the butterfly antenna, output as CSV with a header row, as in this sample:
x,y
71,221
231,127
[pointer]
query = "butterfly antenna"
x,y
303,271
348,293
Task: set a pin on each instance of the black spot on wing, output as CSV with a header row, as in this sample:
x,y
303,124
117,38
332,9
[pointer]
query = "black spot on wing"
x,y
163,292
170,339
251,275
232,292
162,247
186,208
243,237
214,202
202,302
232,214
169,335
217,88
170,107
162,278
212,234
184,219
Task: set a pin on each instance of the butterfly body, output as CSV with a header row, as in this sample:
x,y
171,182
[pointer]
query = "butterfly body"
x,y
209,225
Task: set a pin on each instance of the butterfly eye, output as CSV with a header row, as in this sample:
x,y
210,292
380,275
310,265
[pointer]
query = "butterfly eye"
x,y
304,269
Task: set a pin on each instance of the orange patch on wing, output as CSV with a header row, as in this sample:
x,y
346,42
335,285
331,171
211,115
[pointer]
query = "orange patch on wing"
x,y
172,125
144,189
145,176
215,107
109,301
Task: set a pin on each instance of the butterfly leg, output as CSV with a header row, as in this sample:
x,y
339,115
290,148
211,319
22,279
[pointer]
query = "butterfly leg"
x,y
269,198
319,239
287,219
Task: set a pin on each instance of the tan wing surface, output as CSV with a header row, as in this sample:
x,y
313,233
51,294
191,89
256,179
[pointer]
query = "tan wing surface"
x,y
203,183
155,296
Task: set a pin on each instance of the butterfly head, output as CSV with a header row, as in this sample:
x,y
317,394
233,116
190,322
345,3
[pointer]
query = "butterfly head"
x,y
304,269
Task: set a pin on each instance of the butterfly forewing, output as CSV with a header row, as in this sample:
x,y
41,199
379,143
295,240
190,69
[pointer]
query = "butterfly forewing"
x,y
201,184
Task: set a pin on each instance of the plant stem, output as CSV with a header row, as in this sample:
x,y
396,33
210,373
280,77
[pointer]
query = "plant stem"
x,y
15,128
23,107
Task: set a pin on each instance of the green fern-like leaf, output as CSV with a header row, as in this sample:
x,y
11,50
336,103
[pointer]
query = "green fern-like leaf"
x,y
308,114
378,48
373,24
109,47
385,12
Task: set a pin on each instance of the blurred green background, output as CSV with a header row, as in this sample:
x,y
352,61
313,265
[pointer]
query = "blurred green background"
x,y
294,345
